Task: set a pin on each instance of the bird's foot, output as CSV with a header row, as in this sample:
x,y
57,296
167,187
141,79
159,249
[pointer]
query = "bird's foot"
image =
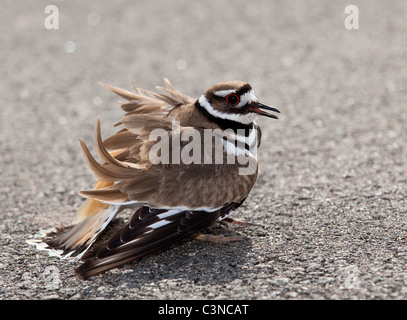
x,y
241,223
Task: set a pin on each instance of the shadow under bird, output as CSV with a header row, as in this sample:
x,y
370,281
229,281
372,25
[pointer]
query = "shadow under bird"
x,y
170,201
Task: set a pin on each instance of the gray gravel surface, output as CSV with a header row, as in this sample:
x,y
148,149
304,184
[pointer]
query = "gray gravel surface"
x,y
331,196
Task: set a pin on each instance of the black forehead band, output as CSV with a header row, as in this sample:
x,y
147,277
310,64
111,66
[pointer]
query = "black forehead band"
x,y
247,87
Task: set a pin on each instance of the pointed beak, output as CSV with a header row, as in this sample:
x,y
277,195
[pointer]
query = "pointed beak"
x,y
259,109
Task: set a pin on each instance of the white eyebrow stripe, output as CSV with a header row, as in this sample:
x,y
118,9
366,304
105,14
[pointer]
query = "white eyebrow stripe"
x,y
224,93
246,98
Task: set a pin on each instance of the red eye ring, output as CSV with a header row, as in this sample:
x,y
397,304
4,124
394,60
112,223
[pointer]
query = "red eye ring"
x,y
232,99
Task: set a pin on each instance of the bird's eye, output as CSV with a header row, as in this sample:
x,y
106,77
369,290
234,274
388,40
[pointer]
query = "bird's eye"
x,y
232,99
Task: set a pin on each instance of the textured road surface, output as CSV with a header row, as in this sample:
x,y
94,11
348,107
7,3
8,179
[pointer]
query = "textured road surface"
x,y
331,196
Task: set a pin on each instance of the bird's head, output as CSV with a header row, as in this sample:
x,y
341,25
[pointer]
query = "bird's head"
x,y
234,101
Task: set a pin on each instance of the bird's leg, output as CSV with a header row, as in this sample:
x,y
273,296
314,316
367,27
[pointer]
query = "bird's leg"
x,y
214,238
237,222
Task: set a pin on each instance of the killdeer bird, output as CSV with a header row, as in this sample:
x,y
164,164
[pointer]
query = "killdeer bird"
x,y
170,201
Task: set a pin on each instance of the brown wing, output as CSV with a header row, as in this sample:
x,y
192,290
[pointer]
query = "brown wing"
x,y
137,179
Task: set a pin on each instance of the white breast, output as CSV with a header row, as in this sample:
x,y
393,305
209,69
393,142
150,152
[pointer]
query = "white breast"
x,y
236,143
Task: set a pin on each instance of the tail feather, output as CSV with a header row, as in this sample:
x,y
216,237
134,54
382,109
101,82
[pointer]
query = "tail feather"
x,y
92,218
90,208
76,239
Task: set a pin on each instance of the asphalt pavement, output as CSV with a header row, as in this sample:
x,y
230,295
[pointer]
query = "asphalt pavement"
x,y
330,199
